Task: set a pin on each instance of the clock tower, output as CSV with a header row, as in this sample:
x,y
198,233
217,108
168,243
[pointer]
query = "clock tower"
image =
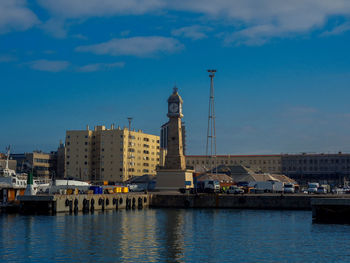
x,y
174,175
175,158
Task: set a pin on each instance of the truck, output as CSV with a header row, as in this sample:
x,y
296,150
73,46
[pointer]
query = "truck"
x,y
267,186
208,186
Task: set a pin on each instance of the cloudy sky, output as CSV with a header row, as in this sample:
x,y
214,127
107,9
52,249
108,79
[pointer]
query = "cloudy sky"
x,y
283,80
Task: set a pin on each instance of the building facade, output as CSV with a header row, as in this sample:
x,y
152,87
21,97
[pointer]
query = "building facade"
x,y
42,164
331,169
110,154
61,155
264,163
12,164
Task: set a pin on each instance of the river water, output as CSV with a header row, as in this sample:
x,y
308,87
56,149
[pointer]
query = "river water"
x,y
173,235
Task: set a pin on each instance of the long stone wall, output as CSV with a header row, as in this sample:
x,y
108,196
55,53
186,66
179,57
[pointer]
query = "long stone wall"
x,y
264,201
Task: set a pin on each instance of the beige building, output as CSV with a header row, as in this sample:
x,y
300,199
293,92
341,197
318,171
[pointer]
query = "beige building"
x,y
41,163
264,163
110,154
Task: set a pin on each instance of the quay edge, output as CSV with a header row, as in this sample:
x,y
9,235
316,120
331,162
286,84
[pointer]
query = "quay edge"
x,y
245,201
51,204
75,203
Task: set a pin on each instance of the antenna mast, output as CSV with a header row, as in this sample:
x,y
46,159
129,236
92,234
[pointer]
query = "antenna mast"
x,y
8,157
211,132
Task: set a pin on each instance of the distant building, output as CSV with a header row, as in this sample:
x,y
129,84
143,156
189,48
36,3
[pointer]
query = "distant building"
x,y
42,164
12,163
110,154
61,154
324,168
262,163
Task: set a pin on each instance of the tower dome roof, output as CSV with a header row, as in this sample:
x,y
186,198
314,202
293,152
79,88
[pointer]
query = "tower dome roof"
x,y
175,97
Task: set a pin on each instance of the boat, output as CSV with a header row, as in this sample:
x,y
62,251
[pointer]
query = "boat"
x,y
11,183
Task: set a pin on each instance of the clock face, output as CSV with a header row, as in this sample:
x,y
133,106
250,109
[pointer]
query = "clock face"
x,y
173,108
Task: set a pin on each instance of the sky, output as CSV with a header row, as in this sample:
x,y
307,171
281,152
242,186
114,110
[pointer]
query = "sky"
x,y
282,81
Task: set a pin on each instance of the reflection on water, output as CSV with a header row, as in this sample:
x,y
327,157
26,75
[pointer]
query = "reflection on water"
x,y
173,235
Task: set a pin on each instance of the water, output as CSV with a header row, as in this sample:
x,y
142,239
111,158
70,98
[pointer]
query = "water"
x,y
173,235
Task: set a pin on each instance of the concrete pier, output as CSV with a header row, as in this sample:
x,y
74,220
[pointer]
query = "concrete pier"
x,y
323,206
331,210
52,204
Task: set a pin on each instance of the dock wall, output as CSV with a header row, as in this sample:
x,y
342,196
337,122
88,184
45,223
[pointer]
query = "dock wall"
x,y
266,201
82,202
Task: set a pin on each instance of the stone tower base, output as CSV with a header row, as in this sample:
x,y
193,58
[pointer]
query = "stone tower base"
x,y
174,179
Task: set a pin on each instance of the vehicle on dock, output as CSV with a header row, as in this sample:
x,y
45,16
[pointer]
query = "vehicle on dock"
x,y
266,187
208,186
289,188
312,188
321,190
233,189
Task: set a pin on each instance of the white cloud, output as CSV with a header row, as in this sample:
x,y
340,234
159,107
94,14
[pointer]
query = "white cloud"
x,y
134,46
14,15
55,27
251,21
194,32
100,66
89,8
7,58
48,65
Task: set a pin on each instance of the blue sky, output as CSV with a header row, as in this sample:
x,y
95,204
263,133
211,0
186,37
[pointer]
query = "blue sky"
x,y
282,83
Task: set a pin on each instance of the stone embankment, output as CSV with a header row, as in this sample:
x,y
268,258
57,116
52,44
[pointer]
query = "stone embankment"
x,y
245,201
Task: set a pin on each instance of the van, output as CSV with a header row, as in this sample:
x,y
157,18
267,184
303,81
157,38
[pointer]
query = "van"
x,y
289,188
208,186
312,188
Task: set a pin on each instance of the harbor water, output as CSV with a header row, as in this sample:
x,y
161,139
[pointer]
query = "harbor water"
x,y
173,235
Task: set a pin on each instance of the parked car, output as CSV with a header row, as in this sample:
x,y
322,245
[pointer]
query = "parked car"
x,y
235,190
321,190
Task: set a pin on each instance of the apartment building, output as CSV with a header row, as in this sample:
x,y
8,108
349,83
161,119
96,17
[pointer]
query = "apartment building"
x,y
263,163
113,154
